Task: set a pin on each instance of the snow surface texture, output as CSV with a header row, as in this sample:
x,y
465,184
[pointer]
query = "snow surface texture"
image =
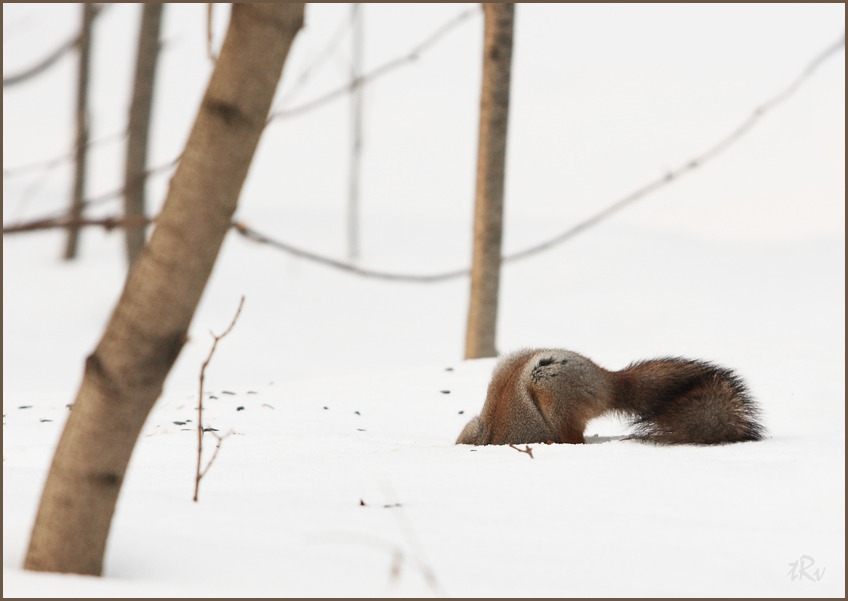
x,y
347,398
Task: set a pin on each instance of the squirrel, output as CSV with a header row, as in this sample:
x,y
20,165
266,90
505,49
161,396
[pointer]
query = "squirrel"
x,y
549,395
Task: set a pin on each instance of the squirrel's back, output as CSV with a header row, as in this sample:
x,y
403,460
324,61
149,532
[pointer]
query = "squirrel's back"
x,y
549,395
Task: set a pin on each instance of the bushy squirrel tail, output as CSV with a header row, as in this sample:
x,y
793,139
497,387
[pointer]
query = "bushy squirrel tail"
x,y
683,401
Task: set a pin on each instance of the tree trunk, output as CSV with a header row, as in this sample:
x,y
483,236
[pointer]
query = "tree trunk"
x,y
135,176
123,377
88,14
491,165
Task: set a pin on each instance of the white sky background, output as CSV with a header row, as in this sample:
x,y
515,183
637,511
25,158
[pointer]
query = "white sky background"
x,y
605,98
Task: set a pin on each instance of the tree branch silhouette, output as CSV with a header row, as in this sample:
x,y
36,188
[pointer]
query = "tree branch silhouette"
x,y
49,60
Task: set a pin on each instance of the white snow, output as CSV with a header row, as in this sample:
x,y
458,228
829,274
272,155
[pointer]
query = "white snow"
x,y
742,263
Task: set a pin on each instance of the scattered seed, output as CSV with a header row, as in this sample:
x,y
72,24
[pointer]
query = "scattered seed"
x,y
445,391
448,369
361,429
357,413
227,392
252,392
210,429
239,408
267,405
180,423
361,503
211,397
188,429
25,407
326,407
45,420
461,412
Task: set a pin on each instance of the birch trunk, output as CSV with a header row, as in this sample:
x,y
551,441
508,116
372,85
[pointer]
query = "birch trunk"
x,y
124,375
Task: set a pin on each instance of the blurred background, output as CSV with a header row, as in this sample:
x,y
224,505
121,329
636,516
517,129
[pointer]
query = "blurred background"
x,y
739,262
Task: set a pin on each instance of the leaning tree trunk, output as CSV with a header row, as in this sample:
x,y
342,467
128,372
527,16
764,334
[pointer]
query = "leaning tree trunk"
x,y
491,166
123,377
89,11
139,127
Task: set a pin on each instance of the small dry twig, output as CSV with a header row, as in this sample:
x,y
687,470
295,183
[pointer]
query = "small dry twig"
x,y
62,222
526,449
61,219
200,428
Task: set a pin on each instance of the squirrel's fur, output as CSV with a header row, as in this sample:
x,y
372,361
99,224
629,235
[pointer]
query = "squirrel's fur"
x,y
549,395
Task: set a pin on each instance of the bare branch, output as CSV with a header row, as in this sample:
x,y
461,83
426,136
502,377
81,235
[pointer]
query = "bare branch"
x,y
200,428
316,63
570,233
376,73
640,193
689,165
305,254
55,162
49,61
113,195
62,222
214,454
43,65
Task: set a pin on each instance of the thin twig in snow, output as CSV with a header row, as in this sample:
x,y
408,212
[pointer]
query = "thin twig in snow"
x,y
200,428
526,449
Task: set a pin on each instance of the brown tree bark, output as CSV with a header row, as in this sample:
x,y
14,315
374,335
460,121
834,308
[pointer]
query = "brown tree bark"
x,y
139,127
88,13
123,377
491,167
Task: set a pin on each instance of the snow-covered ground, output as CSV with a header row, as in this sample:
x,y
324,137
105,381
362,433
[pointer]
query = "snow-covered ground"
x,y
345,384
280,512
